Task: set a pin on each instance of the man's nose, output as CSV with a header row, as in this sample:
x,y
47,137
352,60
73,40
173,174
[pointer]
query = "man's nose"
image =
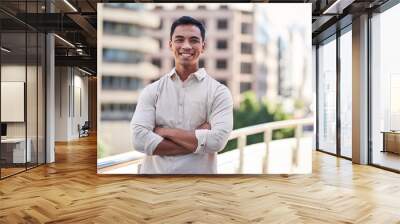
x,y
186,44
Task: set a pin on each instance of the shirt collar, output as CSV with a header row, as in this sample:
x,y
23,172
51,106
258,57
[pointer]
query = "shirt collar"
x,y
199,74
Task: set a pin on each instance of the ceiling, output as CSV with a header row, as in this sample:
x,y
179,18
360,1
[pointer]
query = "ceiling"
x,y
76,22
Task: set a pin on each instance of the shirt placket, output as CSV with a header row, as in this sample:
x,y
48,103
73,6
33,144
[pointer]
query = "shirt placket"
x,y
181,101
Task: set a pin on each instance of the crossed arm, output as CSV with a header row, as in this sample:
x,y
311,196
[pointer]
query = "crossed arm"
x,y
177,141
160,141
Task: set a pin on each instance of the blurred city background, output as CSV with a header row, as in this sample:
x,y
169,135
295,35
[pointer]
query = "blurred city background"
x,y
261,55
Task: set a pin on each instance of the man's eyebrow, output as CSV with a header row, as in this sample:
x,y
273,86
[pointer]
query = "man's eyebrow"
x,y
179,37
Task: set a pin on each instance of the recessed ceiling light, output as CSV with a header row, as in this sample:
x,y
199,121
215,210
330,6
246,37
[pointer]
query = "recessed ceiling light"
x,y
70,5
5,50
64,40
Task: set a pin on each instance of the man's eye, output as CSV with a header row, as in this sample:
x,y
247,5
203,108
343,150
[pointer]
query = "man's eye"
x,y
194,41
178,40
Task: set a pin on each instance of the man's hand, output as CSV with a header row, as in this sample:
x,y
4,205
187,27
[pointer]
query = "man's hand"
x,y
205,125
161,131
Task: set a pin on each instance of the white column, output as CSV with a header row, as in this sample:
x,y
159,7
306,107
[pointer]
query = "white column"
x,y
360,90
50,99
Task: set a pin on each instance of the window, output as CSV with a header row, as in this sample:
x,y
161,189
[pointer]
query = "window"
x,y
201,7
346,94
385,87
160,43
125,56
122,29
245,86
172,62
203,21
156,62
222,44
327,96
221,64
222,81
160,26
222,24
246,48
246,68
121,83
246,28
201,63
223,7
117,111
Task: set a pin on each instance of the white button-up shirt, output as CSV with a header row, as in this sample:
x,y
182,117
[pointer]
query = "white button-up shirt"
x,y
171,103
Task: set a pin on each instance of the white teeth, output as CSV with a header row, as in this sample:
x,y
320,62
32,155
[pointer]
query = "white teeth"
x,y
186,55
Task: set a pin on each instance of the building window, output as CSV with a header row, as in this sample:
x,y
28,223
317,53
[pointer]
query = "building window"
x,y
223,7
203,21
201,63
246,68
221,64
246,48
222,24
160,26
201,7
222,81
156,62
172,62
121,83
125,56
117,111
222,44
122,29
246,28
160,43
245,86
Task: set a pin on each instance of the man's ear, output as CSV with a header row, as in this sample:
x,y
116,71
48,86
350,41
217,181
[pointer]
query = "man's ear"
x,y
170,44
204,47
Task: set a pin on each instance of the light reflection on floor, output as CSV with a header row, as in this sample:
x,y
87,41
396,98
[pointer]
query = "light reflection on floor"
x,y
282,159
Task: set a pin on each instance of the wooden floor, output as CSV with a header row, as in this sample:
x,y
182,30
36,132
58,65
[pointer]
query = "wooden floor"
x,y
70,191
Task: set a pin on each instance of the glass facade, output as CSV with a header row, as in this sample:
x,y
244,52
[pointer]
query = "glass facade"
x,y
327,96
22,87
346,94
385,89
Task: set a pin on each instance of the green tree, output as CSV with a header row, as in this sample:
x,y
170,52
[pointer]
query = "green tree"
x,y
252,112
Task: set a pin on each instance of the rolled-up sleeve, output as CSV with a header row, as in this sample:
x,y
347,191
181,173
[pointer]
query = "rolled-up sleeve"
x,y
143,122
221,121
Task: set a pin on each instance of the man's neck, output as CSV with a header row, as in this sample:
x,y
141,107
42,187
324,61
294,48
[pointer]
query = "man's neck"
x,y
184,71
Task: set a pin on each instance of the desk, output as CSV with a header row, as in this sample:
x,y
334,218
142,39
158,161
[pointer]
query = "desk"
x,y
391,141
15,148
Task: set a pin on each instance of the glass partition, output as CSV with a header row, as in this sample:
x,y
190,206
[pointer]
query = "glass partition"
x,y
13,109
327,96
346,94
22,88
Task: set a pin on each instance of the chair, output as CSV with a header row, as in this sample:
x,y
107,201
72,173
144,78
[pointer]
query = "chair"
x,y
84,130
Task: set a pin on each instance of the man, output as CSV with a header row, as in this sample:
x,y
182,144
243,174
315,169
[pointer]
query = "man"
x,y
182,120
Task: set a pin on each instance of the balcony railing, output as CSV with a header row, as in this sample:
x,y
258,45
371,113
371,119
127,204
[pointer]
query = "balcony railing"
x,y
267,128
240,134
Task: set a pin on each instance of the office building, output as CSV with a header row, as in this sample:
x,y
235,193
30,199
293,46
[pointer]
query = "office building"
x,y
229,54
124,69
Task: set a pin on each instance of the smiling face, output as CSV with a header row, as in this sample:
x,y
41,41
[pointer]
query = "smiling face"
x,y
186,45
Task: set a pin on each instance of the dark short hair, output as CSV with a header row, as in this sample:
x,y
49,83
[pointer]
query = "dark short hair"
x,y
187,20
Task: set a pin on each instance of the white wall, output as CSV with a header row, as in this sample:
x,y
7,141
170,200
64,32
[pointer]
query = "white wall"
x,y
71,94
